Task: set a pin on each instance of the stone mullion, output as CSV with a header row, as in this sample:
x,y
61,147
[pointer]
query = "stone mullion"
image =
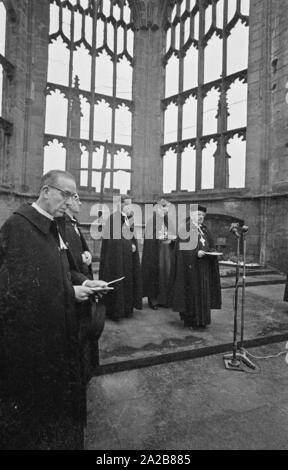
x,y
199,129
221,173
27,115
92,101
69,148
113,107
180,110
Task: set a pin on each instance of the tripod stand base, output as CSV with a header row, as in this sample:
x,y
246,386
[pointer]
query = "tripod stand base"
x,y
241,356
233,364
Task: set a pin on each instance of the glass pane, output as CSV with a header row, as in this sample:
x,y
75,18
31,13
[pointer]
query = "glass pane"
x,y
177,37
168,39
237,105
120,40
231,9
188,161
189,118
237,49
77,26
83,178
170,123
213,59
100,34
169,171
237,151
122,160
54,157
84,158
245,6
66,23
54,18
190,79
56,114
172,77
82,67
210,109
123,126
104,74
85,119
208,166
96,180
219,14
208,18
102,121
124,79
58,65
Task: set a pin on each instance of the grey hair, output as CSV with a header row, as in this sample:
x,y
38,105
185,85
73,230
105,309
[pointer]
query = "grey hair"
x,y
51,177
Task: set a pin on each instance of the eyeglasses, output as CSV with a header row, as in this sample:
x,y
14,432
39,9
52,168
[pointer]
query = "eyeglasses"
x,y
66,194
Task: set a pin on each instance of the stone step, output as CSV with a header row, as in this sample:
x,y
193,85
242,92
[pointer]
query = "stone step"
x,y
263,279
255,276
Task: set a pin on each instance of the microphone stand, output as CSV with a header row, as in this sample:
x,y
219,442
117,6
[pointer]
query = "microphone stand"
x,y
234,361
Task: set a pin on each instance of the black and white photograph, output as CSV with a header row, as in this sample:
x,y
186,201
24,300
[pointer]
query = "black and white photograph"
x,y
143,227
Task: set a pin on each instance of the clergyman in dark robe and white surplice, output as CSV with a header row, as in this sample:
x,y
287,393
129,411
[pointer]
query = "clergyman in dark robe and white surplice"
x,y
159,237
195,281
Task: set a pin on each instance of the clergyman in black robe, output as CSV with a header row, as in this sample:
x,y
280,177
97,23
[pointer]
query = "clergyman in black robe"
x,y
91,314
120,257
195,280
42,400
156,258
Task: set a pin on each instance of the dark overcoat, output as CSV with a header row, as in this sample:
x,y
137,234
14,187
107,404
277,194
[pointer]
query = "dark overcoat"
x,y
195,286
40,388
117,260
91,314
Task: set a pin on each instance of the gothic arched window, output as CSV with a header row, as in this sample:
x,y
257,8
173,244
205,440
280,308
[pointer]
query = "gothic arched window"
x,y
205,104
6,68
89,92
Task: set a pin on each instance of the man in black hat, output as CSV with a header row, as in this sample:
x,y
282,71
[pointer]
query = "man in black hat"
x,y
195,280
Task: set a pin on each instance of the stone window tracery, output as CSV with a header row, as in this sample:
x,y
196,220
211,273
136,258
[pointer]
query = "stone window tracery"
x,y
89,92
205,103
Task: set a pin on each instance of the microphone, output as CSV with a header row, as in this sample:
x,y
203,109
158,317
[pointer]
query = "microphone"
x,y
234,229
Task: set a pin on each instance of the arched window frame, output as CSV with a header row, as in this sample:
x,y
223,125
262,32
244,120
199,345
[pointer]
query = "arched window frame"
x,y
222,137
73,93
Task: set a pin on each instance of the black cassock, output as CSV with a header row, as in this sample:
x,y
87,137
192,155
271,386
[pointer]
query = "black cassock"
x,y
116,260
42,399
195,286
156,259
91,314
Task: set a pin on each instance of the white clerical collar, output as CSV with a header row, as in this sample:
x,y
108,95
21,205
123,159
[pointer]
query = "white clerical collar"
x,y
49,216
41,211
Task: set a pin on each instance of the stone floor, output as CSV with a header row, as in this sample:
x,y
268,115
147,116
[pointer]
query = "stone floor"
x,y
163,387
192,404
158,335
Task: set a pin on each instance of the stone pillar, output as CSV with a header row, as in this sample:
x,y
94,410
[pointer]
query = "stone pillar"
x,y
278,167
259,92
148,90
27,48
